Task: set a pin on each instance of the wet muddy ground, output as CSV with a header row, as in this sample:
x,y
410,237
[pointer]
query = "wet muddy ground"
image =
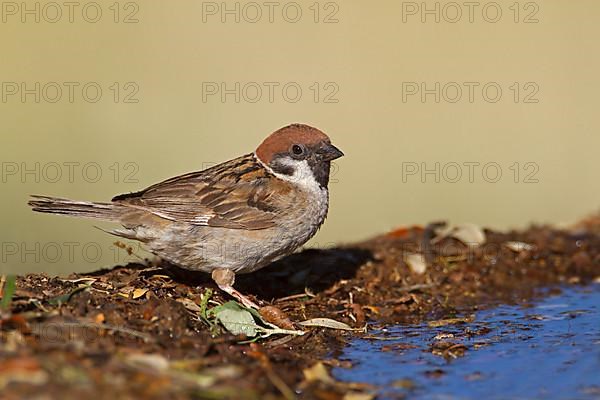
x,y
145,331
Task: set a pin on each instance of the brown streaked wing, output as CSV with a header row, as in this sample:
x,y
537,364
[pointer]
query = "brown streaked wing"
x,y
230,195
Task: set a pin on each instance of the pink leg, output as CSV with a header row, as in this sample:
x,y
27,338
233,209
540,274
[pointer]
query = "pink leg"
x,y
225,278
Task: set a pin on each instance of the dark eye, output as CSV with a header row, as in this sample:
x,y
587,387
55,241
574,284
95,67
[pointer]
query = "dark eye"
x,y
297,149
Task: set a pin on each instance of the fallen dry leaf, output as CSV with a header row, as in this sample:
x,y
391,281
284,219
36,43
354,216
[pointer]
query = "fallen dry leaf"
x,y
469,234
416,263
275,316
326,323
137,293
190,305
318,372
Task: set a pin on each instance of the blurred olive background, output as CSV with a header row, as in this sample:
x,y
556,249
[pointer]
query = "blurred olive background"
x,y
162,68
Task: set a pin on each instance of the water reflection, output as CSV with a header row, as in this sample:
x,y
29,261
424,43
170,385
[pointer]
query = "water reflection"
x,y
549,350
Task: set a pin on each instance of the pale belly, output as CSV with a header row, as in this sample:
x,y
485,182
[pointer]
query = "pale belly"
x,y
204,248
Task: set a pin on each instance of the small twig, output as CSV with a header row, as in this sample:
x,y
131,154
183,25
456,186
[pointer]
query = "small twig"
x,y
418,286
306,293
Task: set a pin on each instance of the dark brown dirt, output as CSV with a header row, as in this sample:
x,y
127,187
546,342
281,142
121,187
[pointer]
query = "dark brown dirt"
x,y
109,340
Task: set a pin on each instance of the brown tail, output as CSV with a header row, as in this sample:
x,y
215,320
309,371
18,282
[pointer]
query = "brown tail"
x,y
88,209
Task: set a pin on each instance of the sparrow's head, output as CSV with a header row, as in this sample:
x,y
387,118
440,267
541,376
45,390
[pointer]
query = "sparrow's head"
x,y
299,153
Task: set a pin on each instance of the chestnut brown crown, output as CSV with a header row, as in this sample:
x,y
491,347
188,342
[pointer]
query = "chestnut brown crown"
x,y
284,140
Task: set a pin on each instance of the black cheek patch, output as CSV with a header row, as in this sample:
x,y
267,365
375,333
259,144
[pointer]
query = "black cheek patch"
x,y
320,170
281,168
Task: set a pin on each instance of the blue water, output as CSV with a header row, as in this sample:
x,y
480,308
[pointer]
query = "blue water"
x,y
547,350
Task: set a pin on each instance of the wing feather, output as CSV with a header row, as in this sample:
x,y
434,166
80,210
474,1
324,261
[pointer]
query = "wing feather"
x,y
236,195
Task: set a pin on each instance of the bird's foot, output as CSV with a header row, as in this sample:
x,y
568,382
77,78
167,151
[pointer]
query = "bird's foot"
x,y
225,278
240,297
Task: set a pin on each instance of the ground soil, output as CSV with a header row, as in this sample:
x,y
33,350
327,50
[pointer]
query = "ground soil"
x,y
130,332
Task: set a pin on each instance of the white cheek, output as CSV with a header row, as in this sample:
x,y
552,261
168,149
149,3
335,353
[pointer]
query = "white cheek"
x,y
302,176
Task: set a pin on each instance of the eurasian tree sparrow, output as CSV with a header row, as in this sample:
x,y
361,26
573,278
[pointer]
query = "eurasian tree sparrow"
x,y
235,217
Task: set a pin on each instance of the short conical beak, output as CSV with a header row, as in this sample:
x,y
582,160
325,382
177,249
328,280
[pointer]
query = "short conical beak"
x,y
329,152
